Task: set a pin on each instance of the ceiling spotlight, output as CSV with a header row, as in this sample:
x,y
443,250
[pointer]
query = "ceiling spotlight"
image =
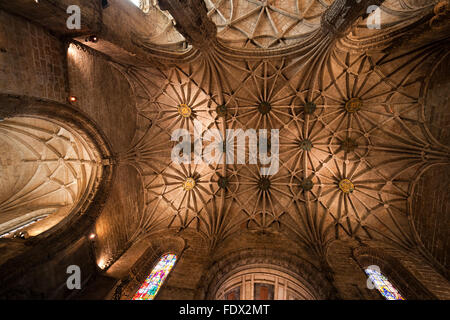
x,y
92,236
72,99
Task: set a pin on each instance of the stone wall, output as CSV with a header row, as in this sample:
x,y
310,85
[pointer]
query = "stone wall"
x,y
32,61
48,280
37,65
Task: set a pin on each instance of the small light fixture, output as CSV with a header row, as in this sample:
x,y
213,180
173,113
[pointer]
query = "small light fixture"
x,y
92,236
72,99
92,38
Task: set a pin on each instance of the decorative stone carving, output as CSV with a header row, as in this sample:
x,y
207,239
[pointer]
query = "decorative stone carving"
x,y
45,168
267,24
441,14
346,186
189,184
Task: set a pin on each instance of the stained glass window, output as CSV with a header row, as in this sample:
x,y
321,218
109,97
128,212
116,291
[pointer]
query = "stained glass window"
x,y
383,285
22,226
154,281
262,291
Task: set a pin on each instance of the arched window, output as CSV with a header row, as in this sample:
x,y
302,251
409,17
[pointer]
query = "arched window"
x,y
382,284
263,282
154,281
17,227
388,274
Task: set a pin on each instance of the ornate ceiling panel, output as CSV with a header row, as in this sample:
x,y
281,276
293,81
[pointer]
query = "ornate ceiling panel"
x,y
163,34
267,23
392,20
356,128
349,146
44,169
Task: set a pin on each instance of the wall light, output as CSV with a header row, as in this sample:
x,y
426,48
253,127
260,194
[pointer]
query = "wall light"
x,y
92,38
72,99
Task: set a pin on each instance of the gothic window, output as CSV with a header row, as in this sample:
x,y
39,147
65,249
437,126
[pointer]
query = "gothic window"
x,y
18,228
155,280
383,285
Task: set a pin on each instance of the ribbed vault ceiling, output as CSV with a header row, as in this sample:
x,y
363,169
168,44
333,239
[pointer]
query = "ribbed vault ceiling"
x,y
352,115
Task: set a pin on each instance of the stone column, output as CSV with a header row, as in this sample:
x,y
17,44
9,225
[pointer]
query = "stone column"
x,y
342,14
192,21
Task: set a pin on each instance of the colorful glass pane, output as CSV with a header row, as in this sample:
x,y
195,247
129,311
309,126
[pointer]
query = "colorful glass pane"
x,y
154,281
383,285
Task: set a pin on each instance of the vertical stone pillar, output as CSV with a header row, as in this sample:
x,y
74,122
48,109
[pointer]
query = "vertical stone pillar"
x,y
192,21
342,14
